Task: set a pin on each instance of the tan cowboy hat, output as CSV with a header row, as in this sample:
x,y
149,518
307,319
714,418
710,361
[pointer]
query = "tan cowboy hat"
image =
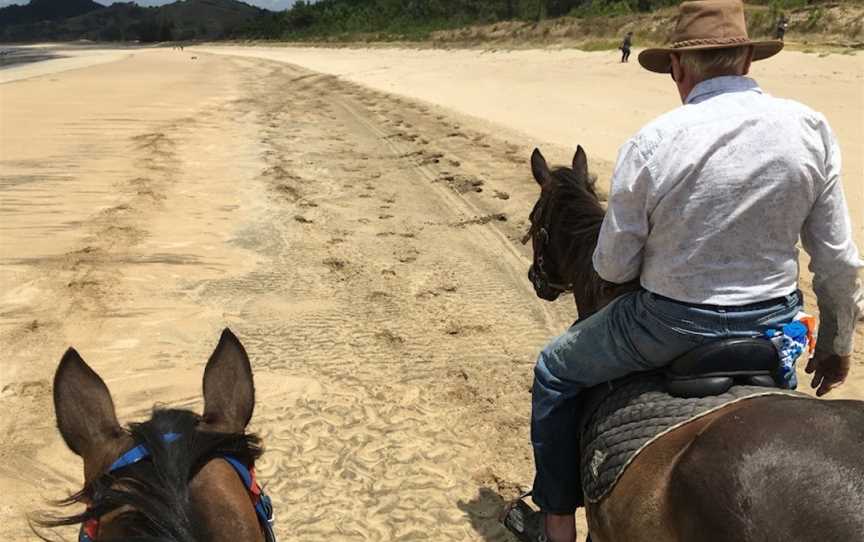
x,y
708,24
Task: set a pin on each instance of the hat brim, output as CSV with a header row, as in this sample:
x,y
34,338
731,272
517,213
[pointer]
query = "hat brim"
x,y
657,60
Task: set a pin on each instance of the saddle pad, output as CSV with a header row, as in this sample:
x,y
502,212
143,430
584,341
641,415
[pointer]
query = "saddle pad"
x,y
627,417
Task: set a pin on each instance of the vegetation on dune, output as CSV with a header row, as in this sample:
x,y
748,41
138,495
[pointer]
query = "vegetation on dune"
x,y
589,24
417,18
425,19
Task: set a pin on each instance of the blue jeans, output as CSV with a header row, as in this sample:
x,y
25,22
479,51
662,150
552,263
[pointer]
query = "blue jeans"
x,y
639,331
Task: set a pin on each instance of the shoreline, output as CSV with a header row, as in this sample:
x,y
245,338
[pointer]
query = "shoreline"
x,y
16,57
61,58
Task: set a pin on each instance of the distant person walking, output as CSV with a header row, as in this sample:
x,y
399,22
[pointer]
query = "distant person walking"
x,y
782,25
625,47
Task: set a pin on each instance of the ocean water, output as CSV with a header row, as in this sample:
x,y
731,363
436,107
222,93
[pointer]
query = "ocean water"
x,y
16,55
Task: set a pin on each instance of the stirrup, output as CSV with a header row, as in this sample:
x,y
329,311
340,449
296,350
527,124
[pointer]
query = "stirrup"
x,y
527,524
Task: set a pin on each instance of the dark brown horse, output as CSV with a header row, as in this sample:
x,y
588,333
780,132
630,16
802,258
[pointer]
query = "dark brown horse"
x,y
775,468
562,263
179,476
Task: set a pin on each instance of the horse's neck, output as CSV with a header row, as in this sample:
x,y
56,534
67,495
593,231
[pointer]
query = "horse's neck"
x,y
586,282
590,291
586,296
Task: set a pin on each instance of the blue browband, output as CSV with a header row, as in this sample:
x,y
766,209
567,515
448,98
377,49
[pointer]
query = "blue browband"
x,y
262,503
138,453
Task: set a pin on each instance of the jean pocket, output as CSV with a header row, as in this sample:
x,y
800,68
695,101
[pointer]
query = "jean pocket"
x,y
777,316
681,320
660,344
692,337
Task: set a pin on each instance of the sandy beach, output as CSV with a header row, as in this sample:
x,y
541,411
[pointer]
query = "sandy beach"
x,y
26,61
570,97
353,215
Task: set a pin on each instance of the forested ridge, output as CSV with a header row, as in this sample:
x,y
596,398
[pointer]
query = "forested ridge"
x,y
46,10
71,20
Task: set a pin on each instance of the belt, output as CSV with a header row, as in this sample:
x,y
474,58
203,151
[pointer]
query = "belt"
x,y
794,297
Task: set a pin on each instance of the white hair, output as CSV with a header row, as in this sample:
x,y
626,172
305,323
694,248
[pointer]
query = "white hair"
x,y
707,63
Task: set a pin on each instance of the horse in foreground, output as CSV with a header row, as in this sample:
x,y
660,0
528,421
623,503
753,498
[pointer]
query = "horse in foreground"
x,y
178,477
768,468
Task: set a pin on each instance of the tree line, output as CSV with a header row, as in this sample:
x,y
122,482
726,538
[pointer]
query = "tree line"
x,y
83,19
407,17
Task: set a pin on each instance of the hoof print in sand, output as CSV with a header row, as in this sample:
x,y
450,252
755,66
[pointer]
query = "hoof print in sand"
x,y
462,184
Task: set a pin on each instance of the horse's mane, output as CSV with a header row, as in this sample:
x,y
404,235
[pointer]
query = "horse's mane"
x,y
156,490
581,214
576,217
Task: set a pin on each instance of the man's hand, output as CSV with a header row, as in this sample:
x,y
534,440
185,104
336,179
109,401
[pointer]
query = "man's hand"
x,y
829,371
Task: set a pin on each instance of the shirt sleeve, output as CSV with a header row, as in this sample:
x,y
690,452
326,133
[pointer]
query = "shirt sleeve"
x,y
834,261
621,244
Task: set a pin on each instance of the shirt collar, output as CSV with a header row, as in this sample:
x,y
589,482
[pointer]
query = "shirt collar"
x,y
721,85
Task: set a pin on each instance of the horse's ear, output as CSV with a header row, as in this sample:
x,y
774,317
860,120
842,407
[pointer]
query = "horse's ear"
x,y
229,393
540,168
580,163
83,407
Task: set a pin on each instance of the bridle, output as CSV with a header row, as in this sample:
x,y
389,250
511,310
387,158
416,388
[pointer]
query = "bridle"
x,y
263,506
538,273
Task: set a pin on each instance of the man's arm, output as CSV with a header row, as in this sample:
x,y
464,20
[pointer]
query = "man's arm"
x,y
835,264
620,247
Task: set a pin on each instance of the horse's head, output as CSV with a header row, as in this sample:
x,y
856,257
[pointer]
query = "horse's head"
x,y
178,476
564,225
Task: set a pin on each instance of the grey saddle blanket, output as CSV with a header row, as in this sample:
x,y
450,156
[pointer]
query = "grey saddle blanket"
x,y
626,417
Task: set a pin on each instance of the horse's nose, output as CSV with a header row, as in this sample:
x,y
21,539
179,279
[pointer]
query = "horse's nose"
x,y
532,274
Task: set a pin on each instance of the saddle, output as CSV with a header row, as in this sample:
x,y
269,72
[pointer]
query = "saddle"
x,y
623,417
715,367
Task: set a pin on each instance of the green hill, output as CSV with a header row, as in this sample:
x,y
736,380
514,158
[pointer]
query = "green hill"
x,y
45,10
182,20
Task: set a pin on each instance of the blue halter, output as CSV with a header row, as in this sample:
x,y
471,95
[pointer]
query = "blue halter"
x,y
262,503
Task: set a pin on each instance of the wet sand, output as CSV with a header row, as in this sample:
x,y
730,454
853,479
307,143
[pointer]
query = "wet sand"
x,y
24,62
17,56
361,240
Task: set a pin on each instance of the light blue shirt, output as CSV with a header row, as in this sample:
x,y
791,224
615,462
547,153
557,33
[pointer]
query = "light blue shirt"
x,y
709,200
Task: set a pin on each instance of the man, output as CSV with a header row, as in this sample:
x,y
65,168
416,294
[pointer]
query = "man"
x,y
625,47
782,25
707,205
